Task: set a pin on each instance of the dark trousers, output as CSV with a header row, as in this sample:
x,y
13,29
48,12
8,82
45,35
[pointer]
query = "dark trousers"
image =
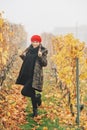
x,y
30,92
33,98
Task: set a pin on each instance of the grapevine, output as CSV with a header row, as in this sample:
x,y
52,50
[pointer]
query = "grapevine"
x,y
67,49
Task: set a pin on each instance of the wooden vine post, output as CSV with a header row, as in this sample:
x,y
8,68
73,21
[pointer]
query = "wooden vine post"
x,y
77,91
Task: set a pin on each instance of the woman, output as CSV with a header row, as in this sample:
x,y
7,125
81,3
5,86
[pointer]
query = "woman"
x,y
31,73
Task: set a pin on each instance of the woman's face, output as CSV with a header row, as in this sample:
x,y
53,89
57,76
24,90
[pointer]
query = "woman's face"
x,y
35,44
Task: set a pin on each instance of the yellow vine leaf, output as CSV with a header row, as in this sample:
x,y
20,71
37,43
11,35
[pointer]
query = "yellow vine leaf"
x,y
4,60
5,54
45,128
83,76
1,22
1,37
1,50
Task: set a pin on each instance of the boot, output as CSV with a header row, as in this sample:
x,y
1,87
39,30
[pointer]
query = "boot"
x,y
38,99
35,112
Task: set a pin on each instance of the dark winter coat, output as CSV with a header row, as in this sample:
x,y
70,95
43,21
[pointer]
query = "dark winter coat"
x,y
31,73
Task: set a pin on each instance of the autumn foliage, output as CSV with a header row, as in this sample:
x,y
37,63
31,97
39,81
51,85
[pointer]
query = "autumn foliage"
x,y
67,48
9,101
12,108
12,37
55,104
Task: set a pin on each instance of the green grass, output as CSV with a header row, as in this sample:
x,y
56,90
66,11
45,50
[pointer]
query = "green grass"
x,y
44,122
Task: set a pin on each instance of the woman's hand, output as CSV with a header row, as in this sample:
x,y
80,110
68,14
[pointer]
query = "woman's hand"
x,y
39,53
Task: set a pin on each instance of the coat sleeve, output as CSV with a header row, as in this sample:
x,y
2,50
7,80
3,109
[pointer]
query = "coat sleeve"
x,y
22,57
43,59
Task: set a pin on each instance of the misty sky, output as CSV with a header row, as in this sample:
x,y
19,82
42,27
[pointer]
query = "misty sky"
x,y
44,15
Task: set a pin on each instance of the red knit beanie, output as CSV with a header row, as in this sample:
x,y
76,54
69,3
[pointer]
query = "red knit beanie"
x,y
36,38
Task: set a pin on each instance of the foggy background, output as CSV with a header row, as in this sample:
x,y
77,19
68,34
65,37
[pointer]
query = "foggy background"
x,y
52,16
